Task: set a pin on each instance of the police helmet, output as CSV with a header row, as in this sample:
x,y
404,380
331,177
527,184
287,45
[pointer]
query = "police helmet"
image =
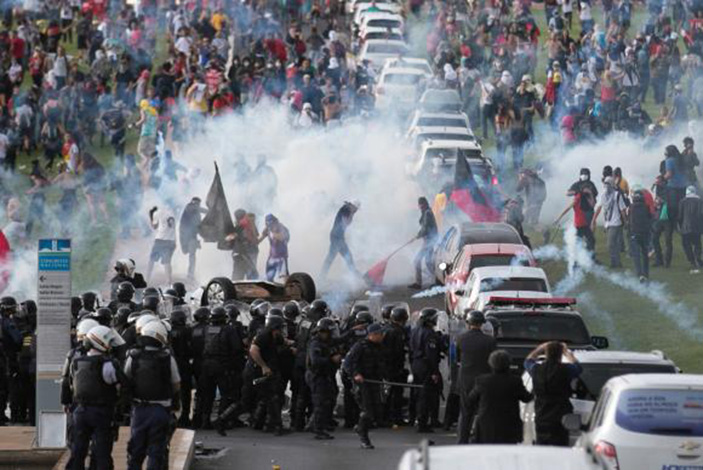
x,y
102,338
319,308
386,311
274,322
8,305
399,314
89,300
201,314
232,312
30,309
325,324
218,315
171,294
122,315
151,291
364,318
275,312
428,316
150,303
358,308
84,326
291,310
179,288
178,317
103,316
474,317
256,303
156,330
144,320
132,318
261,309
125,291
76,306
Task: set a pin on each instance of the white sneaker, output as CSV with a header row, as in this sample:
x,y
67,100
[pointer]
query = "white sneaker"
x,y
694,271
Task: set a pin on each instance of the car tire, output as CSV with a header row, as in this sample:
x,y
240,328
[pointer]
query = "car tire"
x,y
305,284
220,289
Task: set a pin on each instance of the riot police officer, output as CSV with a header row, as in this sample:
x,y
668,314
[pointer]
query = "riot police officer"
x,y
364,363
201,317
180,290
181,339
26,362
221,346
154,380
124,297
240,358
323,360
425,352
10,342
356,332
94,379
258,310
395,346
89,300
303,403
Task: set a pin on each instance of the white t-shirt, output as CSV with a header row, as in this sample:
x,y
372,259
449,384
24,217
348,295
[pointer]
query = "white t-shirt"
x,y
585,14
567,6
166,228
183,45
613,205
4,143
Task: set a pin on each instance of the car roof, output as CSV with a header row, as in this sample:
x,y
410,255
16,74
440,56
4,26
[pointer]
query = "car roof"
x,y
450,144
509,271
382,15
381,29
442,130
499,457
633,381
410,60
385,41
617,357
402,71
430,114
440,92
495,249
489,232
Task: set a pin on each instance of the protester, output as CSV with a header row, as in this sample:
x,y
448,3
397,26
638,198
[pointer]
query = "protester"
x,y
428,234
613,207
690,218
164,225
640,219
338,242
278,236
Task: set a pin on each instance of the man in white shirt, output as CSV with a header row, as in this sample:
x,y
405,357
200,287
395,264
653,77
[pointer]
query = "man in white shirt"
x,y
164,225
613,207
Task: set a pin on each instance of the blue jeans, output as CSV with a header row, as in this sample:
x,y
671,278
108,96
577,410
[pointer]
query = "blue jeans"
x,y
149,438
338,246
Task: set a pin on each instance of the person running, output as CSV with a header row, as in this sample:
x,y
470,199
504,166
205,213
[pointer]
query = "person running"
x,y
338,242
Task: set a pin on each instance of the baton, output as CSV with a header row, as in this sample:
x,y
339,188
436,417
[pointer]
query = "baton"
x,y
392,384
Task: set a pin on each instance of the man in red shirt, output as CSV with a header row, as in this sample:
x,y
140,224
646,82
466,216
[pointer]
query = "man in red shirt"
x,y
17,48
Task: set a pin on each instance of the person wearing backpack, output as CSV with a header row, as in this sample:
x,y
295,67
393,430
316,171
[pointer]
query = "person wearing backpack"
x,y
535,191
640,225
691,227
613,208
675,177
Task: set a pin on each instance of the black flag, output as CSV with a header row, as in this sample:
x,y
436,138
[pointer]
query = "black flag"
x,y
217,223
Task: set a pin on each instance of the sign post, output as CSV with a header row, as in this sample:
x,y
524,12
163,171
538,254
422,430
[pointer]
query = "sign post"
x,y
53,338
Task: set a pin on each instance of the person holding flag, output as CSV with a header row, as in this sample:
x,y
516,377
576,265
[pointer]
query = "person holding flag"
x,y
428,234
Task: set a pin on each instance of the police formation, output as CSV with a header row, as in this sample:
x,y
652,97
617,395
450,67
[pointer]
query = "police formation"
x,y
156,366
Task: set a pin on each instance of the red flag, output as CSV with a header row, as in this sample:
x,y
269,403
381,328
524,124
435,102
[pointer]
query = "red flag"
x,y
374,276
468,197
5,262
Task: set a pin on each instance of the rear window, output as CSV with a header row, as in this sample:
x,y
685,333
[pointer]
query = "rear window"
x,y
443,136
594,376
540,328
386,48
383,35
378,23
402,79
661,412
513,283
441,122
480,261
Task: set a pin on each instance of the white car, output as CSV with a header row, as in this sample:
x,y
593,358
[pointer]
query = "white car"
x,y
379,19
352,5
362,10
646,422
376,51
439,156
409,63
425,119
434,134
498,457
441,100
396,89
371,33
599,366
502,281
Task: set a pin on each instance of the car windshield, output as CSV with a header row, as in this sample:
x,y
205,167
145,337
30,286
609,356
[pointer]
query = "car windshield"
x,y
480,261
594,376
384,35
411,65
661,412
513,283
379,23
540,328
441,122
402,79
445,136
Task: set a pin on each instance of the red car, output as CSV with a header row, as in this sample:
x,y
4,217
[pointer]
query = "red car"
x,y
478,256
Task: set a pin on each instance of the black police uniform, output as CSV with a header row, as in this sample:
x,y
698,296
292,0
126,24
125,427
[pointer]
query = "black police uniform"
x,y
93,415
10,342
320,378
197,348
149,371
181,345
288,358
366,358
303,400
268,392
426,354
395,347
221,346
350,338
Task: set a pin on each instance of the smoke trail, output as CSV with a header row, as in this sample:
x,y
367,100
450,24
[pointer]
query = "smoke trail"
x,y
431,292
602,315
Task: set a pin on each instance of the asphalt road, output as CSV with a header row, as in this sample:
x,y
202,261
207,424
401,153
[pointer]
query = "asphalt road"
x,y
253,450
